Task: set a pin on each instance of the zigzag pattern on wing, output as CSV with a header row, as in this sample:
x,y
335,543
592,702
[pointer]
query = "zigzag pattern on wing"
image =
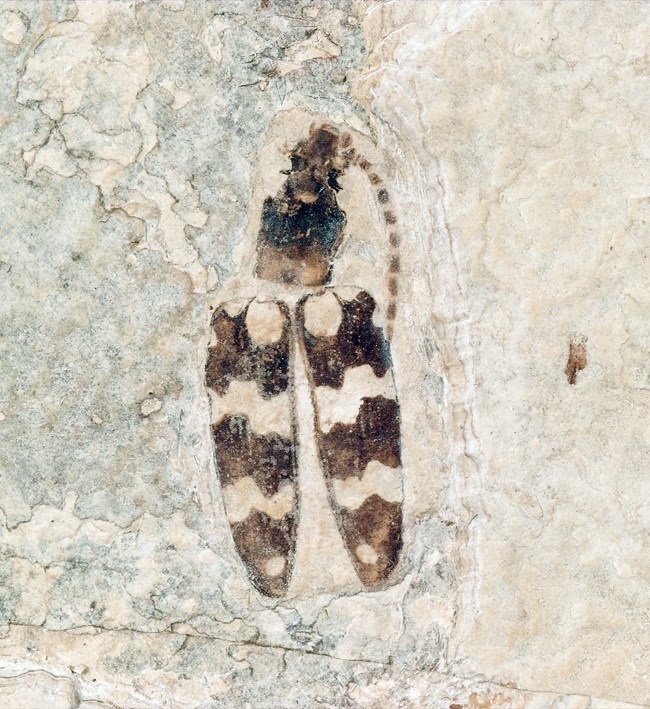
x,y
348,356
248,372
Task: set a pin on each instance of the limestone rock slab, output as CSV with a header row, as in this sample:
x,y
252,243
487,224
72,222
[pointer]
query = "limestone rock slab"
x,y
138,143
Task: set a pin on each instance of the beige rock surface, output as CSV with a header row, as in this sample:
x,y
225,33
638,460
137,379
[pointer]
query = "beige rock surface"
x,y
138,141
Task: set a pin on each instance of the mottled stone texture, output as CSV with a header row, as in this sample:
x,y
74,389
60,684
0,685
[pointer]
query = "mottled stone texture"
x,y
138,142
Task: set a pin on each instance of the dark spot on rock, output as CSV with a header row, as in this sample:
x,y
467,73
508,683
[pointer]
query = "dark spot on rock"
x,y
577,359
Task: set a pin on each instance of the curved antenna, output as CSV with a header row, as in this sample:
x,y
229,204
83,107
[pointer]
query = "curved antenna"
x,y
390,222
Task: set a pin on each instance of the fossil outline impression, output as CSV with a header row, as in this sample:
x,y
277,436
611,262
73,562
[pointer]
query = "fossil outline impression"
x,y
250,375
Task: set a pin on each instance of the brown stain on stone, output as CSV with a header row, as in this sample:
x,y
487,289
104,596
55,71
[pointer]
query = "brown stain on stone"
x,y
235,357
357,342
492,701
577,359
347,449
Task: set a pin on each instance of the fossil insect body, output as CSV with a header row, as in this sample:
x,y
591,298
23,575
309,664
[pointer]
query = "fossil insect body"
x,y
335,330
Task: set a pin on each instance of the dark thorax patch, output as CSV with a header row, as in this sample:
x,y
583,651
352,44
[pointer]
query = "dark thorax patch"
x,y
302,226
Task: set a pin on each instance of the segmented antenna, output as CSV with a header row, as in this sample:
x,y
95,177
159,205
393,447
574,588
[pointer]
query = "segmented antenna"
x,y
388,215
